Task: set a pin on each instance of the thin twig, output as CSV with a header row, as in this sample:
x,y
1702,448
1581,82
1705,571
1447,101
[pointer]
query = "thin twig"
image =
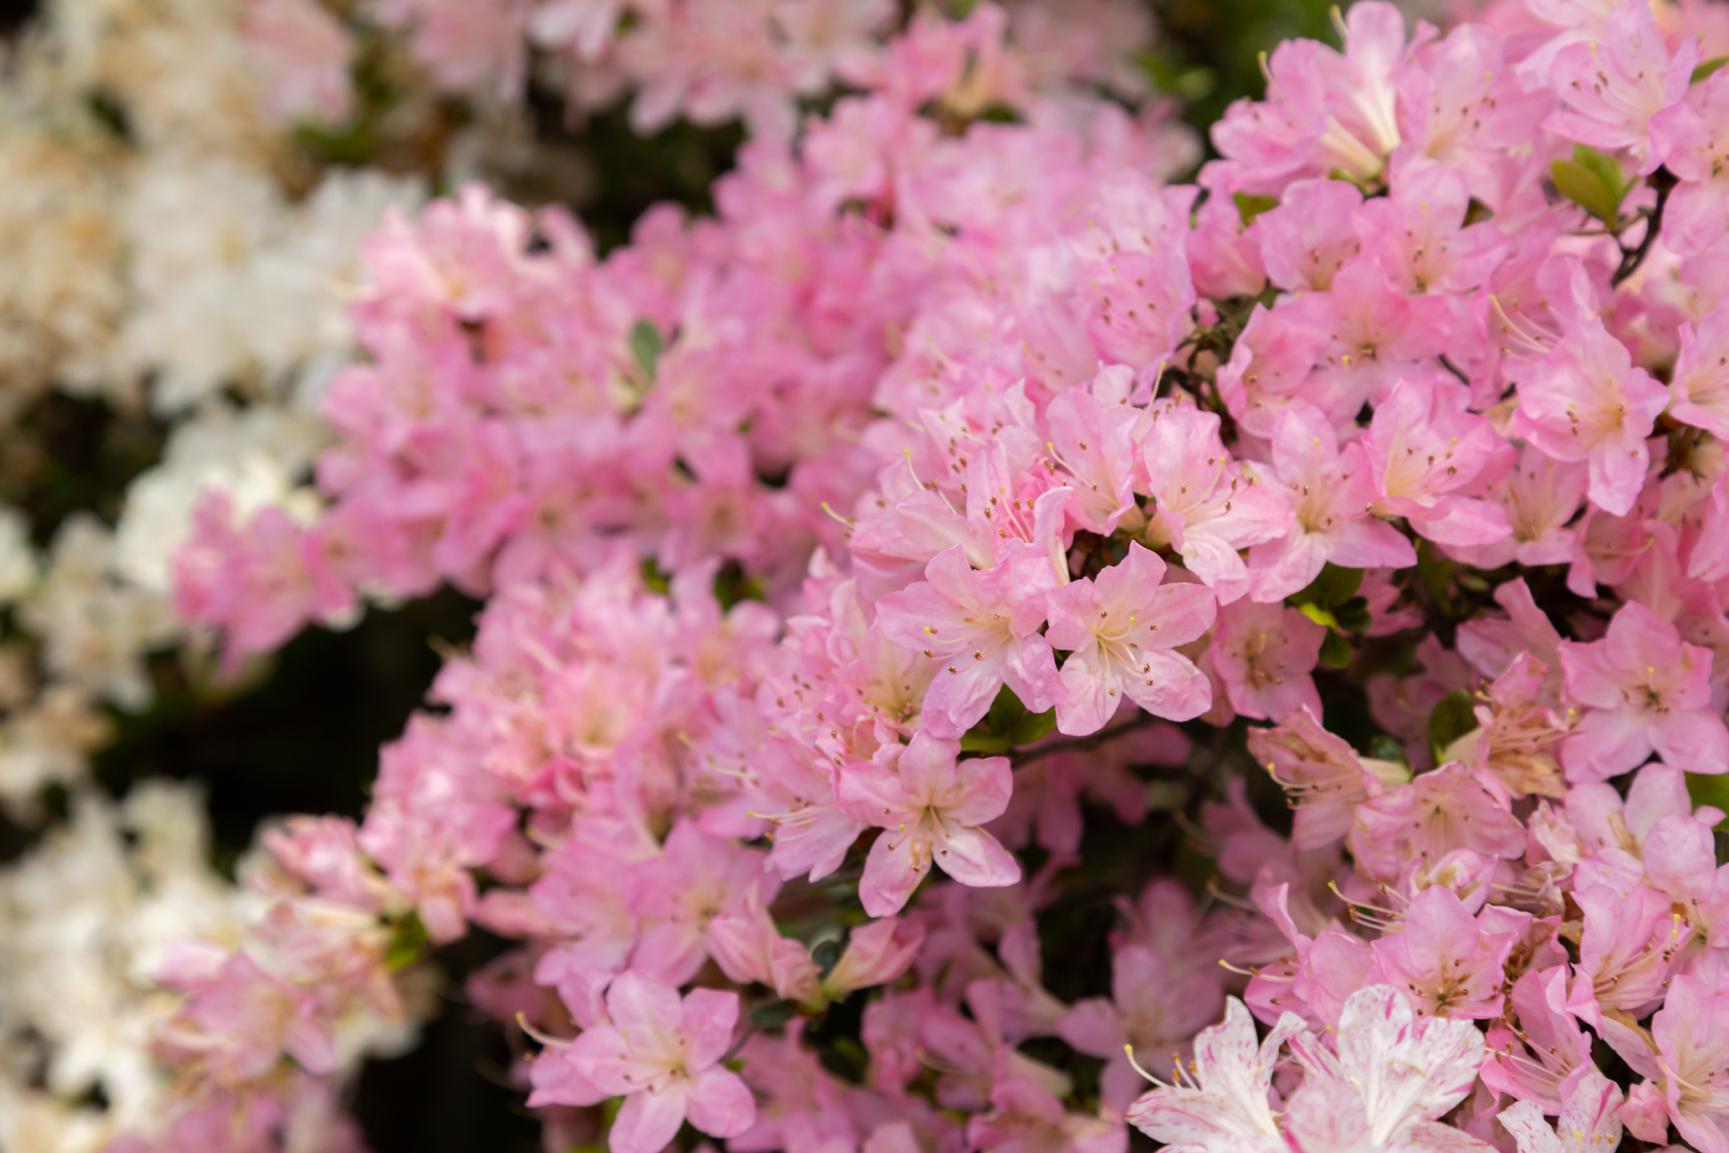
x,y
1664,182
733,1051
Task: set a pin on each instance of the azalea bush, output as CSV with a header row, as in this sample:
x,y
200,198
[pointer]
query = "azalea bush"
x,y
1005,628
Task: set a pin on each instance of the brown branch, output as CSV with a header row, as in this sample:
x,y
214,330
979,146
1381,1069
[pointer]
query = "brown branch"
x,y
1631,258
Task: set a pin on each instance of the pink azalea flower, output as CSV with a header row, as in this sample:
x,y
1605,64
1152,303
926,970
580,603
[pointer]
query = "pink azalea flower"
x,y
1686,1057
875,954
1538,1053
1207,505
1690,139
1450,963
1701,381
1306,239
982,629
1387,1082
1263,654
1426,451
930,807
1026,1117
1630,943
1541,496
1270,362
1093,439
1223,1102
1419,236
1612,87
1119,629
305,54
1160,998
1323,777
1332,495
1647,691
1586,401
1589,1123
1436,814
661,1054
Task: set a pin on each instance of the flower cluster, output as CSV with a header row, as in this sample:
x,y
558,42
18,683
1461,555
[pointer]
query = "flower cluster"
x,y
943,606
749,60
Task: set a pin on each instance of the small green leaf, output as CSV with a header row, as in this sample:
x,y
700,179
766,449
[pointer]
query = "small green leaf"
x,y
1594,181
733,585
1321,616
1008,725
1332,588
1453,718
1354,615
655,579
990,744
408,943
1710,790
1386,748
1250,206
1435,570
773,1014
646,346
1336,652
1706,68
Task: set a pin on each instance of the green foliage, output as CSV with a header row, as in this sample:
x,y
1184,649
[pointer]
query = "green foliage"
x,y
1210,51
1707,67
1710,790
1331,601
773,1014
408,943
646,346
1594,181
1250,206
1008,725
1452,719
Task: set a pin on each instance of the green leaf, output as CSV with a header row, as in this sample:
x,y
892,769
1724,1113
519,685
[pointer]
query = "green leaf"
x,y
646,346
1319,615
1008,725
1594,181
655,578
773,1014
733,585
1452,719
1386,748
1706,68
408,943
1332,588
1354,615
1250,206
1710,790
1435,570
1336,652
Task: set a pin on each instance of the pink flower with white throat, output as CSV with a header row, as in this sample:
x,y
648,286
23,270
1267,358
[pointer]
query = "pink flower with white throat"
x,y
662,1054
1647,691
982,629
1264,655
1119,629
1332,494
1208,506
1587,401
929,807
